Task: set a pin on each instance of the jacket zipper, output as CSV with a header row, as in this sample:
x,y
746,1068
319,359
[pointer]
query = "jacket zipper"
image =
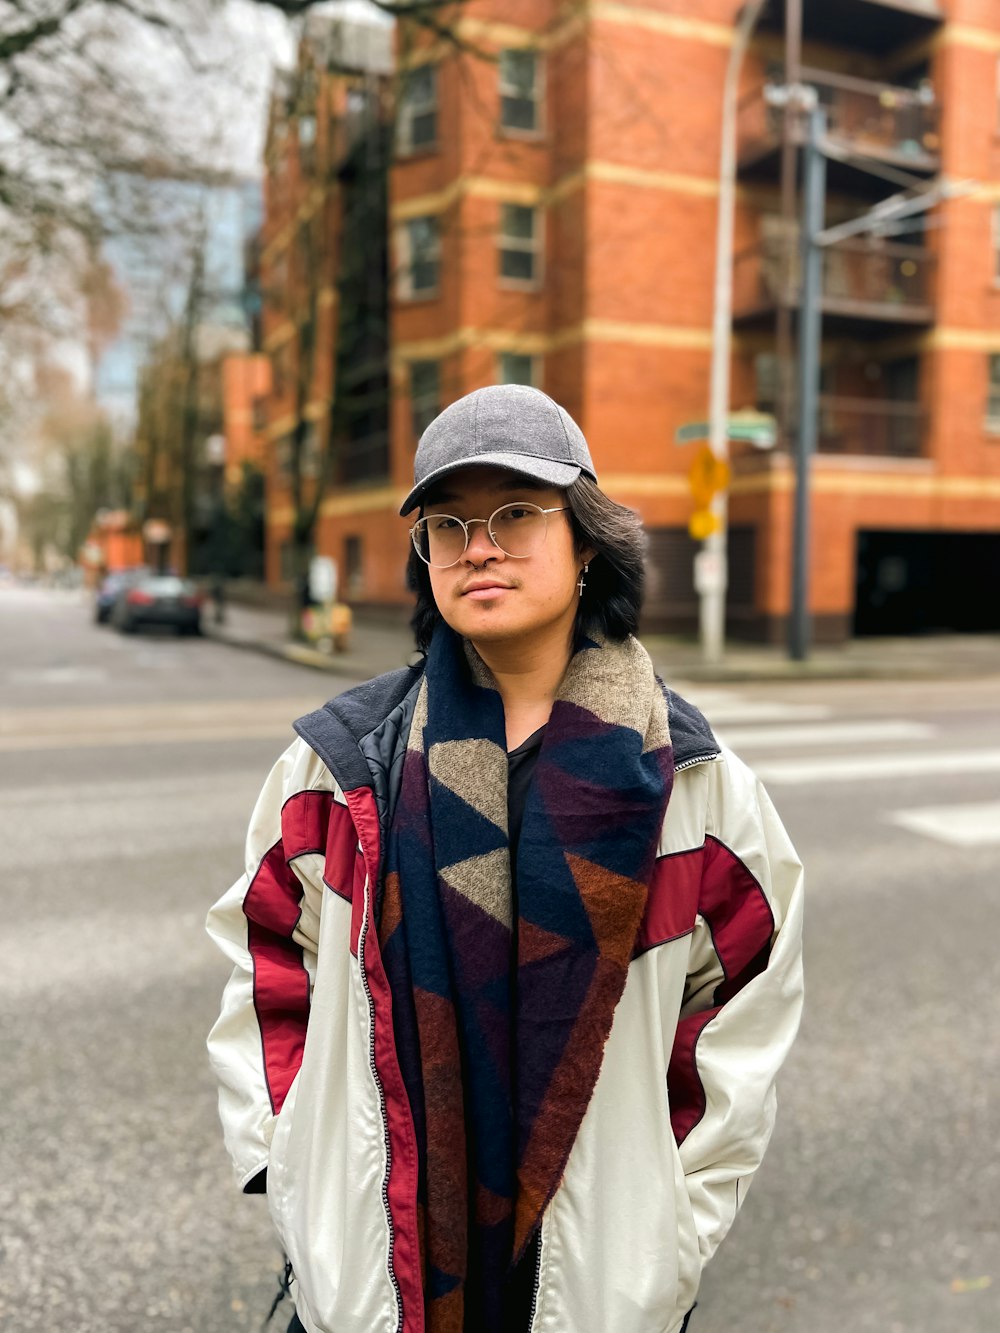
x,y
362,935
538,1273
697,759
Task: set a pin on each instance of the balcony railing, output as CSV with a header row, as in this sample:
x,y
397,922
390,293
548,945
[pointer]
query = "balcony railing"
x,y
874,26
885,428
879,120
862,279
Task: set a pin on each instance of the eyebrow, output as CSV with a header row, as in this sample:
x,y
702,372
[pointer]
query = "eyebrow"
x,y
515,484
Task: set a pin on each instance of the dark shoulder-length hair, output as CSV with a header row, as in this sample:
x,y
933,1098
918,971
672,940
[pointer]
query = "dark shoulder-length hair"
x,y
612,597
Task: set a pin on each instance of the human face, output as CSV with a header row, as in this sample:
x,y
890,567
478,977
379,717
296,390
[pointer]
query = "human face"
x,y
488,596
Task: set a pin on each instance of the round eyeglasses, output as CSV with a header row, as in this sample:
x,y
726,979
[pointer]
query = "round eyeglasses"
x,y
516,529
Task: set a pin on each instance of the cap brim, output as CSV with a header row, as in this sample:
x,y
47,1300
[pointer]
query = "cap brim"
x,y
538,469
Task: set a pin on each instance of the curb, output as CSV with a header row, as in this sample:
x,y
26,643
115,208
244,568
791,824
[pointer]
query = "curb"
x,y
302,655
778,670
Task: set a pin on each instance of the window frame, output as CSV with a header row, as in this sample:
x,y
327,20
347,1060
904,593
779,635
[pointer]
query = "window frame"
x,y
404,287
420,403
533,360
408,112
354,564
518,244
511,91
992,415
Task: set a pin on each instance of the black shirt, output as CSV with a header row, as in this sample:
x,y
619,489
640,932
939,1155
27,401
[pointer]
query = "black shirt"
x,y
520,770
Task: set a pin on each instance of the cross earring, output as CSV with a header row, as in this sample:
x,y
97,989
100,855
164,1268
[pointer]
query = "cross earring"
x,y
583,581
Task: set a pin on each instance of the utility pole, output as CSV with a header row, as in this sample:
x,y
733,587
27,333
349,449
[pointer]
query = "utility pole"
x,y
712,589
810,333
189,406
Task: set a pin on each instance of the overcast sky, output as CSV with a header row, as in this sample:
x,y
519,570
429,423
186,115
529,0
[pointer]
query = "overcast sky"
x,y
265,38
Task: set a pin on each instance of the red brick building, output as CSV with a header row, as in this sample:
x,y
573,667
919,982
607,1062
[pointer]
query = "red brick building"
x,y
246,386
322,276
552,217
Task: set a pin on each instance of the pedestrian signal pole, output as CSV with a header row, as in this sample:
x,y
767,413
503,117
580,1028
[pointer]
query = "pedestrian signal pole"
x,y
810,333
711,575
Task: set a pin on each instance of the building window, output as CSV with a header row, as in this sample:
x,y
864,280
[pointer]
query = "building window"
x,y
280,370
354,566
309,456
520,91
359,114
516,368
283,458
765,369
417,124
993,398
425,394
306,127
520,244
420,244
259,413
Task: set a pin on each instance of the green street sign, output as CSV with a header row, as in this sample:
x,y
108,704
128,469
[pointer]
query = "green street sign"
x,y
691,432
756,428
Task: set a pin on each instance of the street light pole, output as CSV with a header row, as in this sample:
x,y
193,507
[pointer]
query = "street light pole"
x,y
810,332
712,607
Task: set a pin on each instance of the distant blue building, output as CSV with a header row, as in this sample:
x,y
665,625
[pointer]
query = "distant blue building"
x,y
153,264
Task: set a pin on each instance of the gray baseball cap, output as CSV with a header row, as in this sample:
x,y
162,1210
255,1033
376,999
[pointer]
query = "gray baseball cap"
x,y
505,425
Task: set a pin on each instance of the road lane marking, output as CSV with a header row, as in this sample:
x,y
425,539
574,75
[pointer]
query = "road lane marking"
x,y
104,726
975,824
107,792
102,740
828,733
850,768
721,706
59,675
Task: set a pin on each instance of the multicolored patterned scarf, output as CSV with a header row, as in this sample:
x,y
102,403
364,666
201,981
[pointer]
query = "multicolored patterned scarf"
x,y
501,1022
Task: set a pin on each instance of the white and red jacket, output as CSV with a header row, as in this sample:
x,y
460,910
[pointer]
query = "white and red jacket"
x,y
310,1087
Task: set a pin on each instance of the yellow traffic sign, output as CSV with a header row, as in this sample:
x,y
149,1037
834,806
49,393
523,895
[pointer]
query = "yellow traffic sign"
x,y
703,523
707,476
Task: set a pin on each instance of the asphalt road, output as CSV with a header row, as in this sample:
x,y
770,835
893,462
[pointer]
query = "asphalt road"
x,y
128,768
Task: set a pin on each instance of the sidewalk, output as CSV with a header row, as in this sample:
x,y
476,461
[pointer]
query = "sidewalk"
x,y
377,645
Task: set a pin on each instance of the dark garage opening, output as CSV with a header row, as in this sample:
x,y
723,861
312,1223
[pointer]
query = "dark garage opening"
x,y
927,582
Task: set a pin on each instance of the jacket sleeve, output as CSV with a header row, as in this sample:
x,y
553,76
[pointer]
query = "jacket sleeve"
x,y
267,925
742,999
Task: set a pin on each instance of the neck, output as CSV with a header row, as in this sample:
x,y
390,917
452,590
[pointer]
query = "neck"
x,y
528,677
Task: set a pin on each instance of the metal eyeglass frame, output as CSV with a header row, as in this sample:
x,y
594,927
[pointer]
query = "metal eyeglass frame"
x,y
464,524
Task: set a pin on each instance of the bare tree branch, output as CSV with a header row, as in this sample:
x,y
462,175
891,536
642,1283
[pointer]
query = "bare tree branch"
x,y
22,40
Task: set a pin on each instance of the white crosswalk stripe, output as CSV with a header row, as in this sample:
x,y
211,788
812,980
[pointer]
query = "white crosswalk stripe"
x,y
852,768
794,745
974,824
725,706
824,733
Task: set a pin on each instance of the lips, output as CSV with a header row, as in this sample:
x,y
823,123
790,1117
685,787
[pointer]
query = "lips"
x,y
480,590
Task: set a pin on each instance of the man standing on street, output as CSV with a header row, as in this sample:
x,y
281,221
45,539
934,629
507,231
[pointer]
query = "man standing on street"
x,y
517,953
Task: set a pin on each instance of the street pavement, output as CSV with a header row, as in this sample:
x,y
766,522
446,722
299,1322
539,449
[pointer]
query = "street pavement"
x,y
128,770
383,642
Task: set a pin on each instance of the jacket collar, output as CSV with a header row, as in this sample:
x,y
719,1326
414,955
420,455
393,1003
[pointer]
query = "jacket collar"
x,y
372,722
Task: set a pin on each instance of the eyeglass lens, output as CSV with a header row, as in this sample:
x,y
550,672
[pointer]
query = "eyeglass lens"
x,y
441,539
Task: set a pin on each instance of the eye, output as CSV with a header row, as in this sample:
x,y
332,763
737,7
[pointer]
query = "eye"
x,y
442,523
515,512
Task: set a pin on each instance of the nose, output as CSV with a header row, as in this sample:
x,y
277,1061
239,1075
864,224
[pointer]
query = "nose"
x,y
481,545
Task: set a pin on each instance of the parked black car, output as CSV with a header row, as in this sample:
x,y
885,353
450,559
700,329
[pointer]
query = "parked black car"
x,y
111,588
159,599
